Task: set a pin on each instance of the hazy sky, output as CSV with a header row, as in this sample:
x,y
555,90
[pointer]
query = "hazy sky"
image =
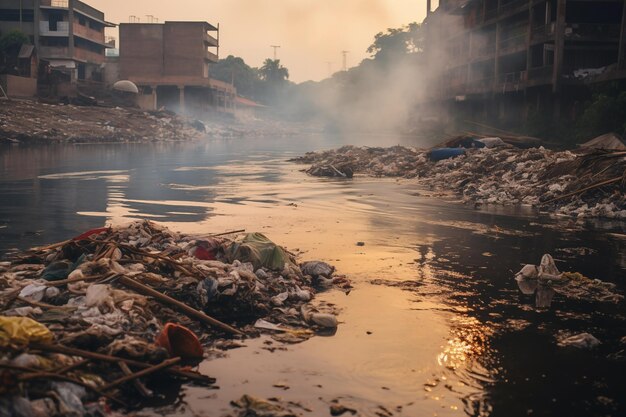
x,y
310,32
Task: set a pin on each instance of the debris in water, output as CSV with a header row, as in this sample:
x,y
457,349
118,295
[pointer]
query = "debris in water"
x,y
545,280
580,341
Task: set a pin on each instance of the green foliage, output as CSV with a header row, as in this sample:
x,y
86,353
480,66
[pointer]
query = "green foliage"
x,y
273,72
396,43
605,113
11,42
234,69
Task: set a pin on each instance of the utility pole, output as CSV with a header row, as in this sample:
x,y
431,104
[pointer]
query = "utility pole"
x,y
21,17
275,48
345,60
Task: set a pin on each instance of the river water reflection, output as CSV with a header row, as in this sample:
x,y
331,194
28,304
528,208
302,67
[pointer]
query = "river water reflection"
x,y
435,324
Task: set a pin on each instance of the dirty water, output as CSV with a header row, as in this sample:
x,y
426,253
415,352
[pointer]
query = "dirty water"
x,y
435,325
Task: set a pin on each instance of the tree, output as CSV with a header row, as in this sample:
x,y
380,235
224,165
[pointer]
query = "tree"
x,y
10,44
234,69
273,72
397,43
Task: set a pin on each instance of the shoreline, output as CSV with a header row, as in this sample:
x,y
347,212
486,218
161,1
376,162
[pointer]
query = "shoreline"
x,y
579,184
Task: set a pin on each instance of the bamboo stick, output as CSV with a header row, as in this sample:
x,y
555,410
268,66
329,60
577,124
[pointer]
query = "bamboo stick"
x,y
600,184
191,312
115,359
165,364
145,392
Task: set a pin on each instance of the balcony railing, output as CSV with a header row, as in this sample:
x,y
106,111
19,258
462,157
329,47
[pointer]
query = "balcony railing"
x,y
540,74
54,52
63,29
504,8
512,43
89,56
210,56
55,3
588,30
88,33
210,40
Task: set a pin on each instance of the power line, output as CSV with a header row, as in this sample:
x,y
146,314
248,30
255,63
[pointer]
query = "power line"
x,y
275,48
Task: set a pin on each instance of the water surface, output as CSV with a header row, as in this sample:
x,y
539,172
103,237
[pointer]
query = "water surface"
x,y
435,325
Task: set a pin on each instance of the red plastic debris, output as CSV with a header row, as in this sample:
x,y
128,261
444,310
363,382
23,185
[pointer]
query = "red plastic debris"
x,y
180,341
203,254
91,233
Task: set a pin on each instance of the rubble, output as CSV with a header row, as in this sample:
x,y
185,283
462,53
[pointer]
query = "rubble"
x,y
32,122
582,183
89,319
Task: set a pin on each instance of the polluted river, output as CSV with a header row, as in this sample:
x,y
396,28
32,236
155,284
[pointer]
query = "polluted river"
x,y
435,324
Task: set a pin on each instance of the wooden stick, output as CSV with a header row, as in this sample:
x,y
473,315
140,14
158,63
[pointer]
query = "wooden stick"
x,y
69,281
30,373
191,312
228,233
71,367
115,359
145,392
165,364
43,305
600,184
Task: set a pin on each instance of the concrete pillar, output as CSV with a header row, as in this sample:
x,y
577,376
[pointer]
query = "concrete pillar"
x,y
181,98
70,38
529,36
559,45
155,100
37,19
496,64
621,57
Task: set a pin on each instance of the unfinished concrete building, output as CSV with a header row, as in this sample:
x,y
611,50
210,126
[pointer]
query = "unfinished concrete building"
x,y
67,34
170,61
505,58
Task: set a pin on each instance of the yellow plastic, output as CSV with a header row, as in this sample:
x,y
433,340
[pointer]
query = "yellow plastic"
x,y
20,331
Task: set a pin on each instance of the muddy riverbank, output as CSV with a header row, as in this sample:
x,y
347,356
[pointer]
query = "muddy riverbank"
x,y
33,123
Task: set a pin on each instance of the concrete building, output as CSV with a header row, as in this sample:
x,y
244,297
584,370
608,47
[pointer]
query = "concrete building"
x,y
67,34
506,58
170,61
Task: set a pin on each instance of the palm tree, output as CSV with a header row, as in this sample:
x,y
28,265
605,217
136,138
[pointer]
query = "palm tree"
x,y
273,72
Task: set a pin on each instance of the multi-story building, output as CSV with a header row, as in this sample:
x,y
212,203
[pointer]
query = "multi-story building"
x,y
67,34
170,61
508,57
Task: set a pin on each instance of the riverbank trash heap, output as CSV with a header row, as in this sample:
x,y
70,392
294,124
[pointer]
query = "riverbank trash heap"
x,y
582,183
86,323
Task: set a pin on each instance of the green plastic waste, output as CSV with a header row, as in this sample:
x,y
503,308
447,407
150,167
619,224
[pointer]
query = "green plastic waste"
x,y
259,250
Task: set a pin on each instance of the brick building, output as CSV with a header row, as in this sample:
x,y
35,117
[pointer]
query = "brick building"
x,y
170,61
505,58
67,34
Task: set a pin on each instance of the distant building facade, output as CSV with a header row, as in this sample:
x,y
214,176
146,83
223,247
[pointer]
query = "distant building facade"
x,y
509,57
66,34
170,61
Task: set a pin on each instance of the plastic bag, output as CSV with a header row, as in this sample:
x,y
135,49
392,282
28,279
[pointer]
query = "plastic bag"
x,y
20,331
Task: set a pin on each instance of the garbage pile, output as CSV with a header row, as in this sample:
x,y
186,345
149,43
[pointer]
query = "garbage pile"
x,y
32,122
584,183
544,280
84,323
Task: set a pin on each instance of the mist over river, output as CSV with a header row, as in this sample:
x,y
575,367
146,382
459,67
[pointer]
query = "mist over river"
x,y
435,324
